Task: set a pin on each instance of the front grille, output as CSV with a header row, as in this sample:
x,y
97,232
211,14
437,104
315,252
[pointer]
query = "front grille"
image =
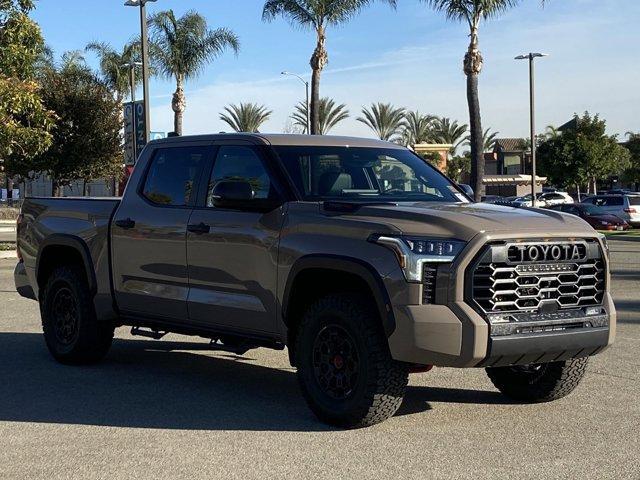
x,y
567,276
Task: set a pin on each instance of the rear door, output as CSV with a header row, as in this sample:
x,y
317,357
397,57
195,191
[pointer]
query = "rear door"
x,y
233,253
149,232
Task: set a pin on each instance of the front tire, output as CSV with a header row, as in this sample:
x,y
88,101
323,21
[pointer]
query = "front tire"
x,y
71,330
543,382
345,370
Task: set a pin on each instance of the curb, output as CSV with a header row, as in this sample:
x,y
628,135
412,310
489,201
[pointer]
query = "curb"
x,y
8,254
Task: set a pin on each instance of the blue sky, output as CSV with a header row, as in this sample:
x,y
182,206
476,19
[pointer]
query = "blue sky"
x,y
411,57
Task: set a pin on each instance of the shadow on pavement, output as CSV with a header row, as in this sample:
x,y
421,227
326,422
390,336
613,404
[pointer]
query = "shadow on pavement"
x,y
144,384
148,385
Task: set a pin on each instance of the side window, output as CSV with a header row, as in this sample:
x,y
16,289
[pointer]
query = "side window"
x,y
613,201
240,164
172,175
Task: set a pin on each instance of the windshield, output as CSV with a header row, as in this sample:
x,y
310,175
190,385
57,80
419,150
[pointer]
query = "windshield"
x,y
365,174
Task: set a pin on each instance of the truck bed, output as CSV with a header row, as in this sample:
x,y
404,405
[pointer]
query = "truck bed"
x,y
80,221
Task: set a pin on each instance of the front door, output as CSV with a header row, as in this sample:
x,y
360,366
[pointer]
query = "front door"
x,y
149,233
233,254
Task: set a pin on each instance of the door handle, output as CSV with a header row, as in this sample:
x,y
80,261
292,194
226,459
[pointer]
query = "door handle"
x,y
126,223
199,228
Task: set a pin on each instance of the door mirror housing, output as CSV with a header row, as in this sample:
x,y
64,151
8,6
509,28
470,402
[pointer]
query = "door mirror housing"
x,y
467,190
239,195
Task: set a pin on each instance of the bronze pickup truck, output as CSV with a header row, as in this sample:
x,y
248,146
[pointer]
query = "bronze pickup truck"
x,y
358,256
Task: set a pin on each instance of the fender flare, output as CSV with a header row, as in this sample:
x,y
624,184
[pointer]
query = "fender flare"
x,y
77,244
350,265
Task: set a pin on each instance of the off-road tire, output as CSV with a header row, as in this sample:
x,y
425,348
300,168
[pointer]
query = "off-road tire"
x,y
378,391
550,381
87,340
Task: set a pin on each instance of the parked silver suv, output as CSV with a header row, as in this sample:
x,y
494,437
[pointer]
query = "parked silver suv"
x,y
627,207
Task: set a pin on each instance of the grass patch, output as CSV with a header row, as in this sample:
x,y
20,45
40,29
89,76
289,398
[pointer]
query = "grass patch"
x,y
7,247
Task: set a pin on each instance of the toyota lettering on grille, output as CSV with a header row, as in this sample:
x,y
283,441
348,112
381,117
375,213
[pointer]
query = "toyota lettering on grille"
x,y
547,252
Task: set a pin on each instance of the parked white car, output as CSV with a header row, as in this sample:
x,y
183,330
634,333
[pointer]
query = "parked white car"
x,y
525,201
556,198
546,199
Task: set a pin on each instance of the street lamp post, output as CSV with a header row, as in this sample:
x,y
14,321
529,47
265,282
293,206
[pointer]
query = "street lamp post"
x,y
145,59
306,85
532,119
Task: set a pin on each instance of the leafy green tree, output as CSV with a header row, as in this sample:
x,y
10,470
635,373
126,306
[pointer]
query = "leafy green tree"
x,y
632,173
112,72
330,114
581,155
246,117
25,123
472,12
87,141
417,128
180,48
458,167
447,131
384,119
316,15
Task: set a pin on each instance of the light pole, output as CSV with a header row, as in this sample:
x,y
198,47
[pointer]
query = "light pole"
x,y
145,59
530,57
132,85
306,86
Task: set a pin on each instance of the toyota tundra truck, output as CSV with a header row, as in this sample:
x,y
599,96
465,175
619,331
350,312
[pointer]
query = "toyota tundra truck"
x,y
359,257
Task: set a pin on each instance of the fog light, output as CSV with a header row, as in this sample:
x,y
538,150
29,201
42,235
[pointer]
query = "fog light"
x,y
498,318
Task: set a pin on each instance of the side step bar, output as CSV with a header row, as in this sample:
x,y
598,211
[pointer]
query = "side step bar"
x,y
147,332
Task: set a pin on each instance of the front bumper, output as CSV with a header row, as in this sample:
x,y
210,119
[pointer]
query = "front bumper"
x,y
21,281
452,333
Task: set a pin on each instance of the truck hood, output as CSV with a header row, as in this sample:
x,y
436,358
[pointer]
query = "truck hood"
x,y
465,220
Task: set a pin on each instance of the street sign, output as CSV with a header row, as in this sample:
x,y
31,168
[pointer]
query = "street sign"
x,y
134,131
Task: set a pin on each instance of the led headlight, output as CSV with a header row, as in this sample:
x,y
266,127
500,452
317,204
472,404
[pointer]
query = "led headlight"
x,y
413,252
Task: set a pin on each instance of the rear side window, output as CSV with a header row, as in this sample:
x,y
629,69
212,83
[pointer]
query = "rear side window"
x,y
172,175
611,201
635,200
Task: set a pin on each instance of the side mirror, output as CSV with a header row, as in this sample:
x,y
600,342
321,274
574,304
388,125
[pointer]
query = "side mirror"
x,y
239,195
467,190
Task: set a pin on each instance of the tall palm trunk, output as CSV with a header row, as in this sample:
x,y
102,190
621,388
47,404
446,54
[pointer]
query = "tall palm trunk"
x,y
178,104
318,62
472,68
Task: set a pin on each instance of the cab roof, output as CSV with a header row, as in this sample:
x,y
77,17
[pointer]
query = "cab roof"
x,y
287,140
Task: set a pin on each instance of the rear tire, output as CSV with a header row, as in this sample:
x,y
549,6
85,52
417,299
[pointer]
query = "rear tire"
x,y
71,330
345,370
541,382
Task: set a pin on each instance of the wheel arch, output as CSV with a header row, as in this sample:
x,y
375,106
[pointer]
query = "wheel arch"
x,y
60,249
354,268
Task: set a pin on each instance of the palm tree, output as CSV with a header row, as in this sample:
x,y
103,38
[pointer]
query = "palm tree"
x,y
416,128
444,130
246,117
316,15
181,47
111,66
384,119
472,12
488,140
330,114
551,132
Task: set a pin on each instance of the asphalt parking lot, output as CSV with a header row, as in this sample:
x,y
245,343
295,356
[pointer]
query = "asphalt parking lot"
x,y
172,409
